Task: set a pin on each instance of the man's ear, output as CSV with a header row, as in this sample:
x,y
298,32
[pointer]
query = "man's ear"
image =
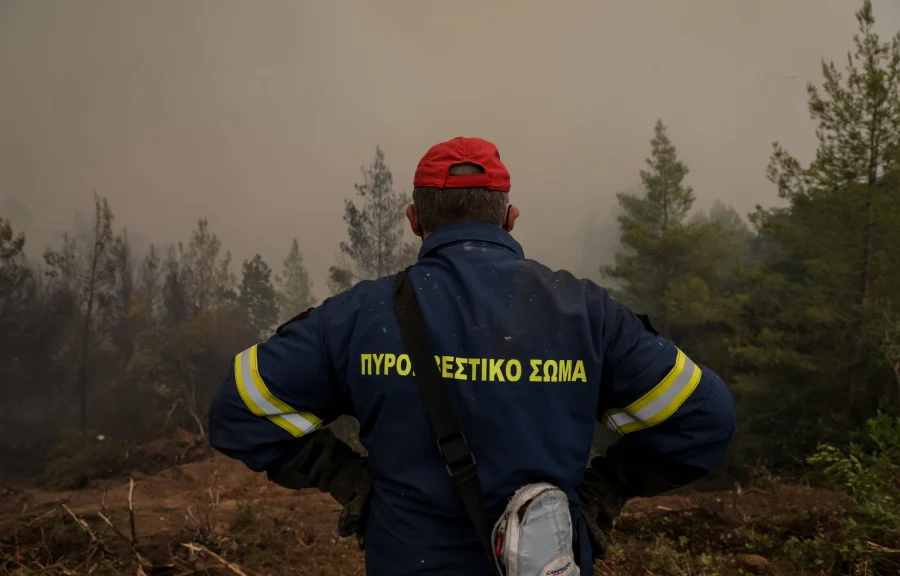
x,y
512,214
413,218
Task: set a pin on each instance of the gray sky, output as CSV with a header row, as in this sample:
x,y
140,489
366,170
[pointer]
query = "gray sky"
x,y
258,115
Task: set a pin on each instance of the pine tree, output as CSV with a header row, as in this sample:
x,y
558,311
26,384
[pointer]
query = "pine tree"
x,y
174,292
13,273
724,224
20,345
375,247
89,267
257,295
842,210
17,285
149,279
124,273
296,289
655,236
206,276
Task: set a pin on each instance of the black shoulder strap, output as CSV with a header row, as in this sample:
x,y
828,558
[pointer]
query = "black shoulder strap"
x,y
451,441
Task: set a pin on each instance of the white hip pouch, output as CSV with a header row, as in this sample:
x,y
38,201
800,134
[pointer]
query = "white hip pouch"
x,y
534,535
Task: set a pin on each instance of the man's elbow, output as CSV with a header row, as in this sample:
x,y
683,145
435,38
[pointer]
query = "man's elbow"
x,y
217,423
229,426
722,422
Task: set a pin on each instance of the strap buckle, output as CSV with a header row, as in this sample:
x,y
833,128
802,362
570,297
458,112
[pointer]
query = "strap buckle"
x,y
460,462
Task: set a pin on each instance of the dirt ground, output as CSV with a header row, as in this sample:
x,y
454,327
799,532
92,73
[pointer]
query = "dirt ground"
x,y
217,517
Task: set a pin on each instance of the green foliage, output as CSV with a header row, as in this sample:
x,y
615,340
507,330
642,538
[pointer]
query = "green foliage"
x,y
74,441
257,295
795,314
809,553
666,559
681,270
246,515
811,365
867,470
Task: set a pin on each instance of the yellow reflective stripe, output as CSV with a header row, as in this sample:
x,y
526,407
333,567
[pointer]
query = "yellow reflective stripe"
x,y
661,402
261,386
242,388
660,388
261,402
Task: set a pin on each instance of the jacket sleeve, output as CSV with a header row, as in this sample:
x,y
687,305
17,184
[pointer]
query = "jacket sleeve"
x,y
675,417
276,396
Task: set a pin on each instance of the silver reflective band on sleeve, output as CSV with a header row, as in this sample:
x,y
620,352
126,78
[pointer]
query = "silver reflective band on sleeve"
x,y
661,402
261,402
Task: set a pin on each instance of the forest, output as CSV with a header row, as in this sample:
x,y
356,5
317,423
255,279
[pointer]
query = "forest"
x,y
795,305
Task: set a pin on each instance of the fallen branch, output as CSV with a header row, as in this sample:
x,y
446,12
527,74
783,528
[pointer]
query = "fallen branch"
x,y
141,560
187,570
882,549
171,411
131,511
43,516
197,420
87,528
84,525
103,499
230,565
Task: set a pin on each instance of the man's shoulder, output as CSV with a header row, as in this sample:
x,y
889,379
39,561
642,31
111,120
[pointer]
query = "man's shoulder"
x,y
563,279
365,294
361,292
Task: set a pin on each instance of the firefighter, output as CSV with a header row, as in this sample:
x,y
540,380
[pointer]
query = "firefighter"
x,y
534,359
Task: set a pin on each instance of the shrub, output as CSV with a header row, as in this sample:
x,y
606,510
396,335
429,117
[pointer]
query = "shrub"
x,y
868,471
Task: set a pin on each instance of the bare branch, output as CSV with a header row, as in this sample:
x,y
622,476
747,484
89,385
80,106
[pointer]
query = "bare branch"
x,y
230,565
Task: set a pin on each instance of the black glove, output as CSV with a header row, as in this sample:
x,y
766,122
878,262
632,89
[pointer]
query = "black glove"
x,y
354,517
602,498
323,461
596,537
352,487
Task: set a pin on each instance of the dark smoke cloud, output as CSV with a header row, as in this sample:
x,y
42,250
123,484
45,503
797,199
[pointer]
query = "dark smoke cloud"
x,y
258,115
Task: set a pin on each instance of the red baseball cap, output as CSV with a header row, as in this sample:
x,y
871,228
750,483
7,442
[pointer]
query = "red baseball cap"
x,y
433,170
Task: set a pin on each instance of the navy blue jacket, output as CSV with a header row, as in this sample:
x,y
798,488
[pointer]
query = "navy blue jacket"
x,y
535,358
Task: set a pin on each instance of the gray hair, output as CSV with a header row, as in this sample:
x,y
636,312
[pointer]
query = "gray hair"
x,y
436,207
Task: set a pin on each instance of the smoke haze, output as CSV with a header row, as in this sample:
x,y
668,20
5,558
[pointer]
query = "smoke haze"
x,y
259,115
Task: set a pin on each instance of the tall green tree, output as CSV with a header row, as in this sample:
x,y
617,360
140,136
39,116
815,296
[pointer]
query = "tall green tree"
x,y
655,235
840,228
375,229
295,292
257,295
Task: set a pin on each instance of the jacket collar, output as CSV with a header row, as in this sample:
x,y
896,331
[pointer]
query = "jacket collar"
x,y
466,232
